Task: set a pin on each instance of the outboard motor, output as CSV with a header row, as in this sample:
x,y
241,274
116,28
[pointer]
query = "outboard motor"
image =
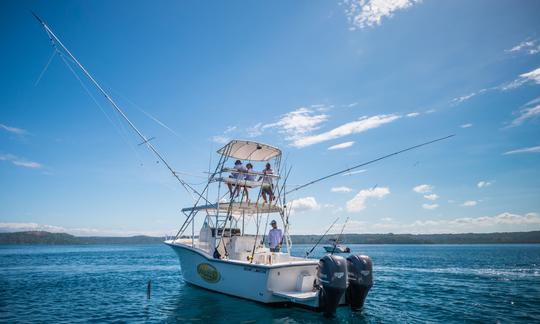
x,y
332,277
360,270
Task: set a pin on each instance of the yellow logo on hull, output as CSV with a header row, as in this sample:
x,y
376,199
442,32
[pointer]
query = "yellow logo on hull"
x,y
208,272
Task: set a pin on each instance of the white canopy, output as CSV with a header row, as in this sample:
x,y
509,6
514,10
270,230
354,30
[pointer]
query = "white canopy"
x,y
248,150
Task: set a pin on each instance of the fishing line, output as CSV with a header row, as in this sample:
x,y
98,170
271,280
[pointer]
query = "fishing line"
x,y
369,162
46,67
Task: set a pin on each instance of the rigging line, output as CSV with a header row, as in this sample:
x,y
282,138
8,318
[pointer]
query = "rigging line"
x,y
46,67
122,136
369,162
186,186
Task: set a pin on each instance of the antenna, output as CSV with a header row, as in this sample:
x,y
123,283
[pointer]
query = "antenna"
x,y
146,141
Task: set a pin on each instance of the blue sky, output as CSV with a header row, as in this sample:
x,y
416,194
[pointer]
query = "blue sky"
x,y
332,83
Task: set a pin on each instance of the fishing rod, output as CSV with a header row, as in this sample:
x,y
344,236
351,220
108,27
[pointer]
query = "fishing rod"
x,y
339,236
55,40
320,239
369,162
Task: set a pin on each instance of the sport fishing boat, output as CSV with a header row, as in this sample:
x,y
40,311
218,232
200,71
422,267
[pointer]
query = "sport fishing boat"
x,y
336,247
223,255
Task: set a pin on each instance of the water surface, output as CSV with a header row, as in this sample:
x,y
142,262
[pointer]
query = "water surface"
x,y
413,283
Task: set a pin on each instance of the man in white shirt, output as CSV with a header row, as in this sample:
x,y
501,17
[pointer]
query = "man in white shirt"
x,y
275,237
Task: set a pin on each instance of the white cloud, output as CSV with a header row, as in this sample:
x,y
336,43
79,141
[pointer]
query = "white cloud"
x,y
532,76
304,204
15,160
341,189
483,184
341,146
466,125
358,202
525,114
530,47
430,206
533,149
504,222
431,196
229,129
255,130
22,227
220,139
369,13
363,124
413,114
13,130
298,123
354,172
423,189
469,203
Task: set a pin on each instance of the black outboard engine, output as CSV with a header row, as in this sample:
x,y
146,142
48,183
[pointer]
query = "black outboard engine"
x,y
332,277
360,270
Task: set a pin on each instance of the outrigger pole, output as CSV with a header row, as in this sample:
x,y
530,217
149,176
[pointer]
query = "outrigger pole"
x,y
369,162
146,141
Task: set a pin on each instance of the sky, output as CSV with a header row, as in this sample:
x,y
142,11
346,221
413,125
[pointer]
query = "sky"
x,y
331,83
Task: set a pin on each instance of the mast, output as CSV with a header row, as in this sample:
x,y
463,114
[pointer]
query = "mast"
x,y
55,40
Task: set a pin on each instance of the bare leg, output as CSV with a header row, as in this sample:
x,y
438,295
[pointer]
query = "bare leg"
x,y
264,197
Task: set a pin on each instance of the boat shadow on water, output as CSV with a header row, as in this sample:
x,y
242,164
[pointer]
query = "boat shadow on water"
x,y
194,304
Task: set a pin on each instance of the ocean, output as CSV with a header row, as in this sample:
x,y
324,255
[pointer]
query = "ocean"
x,y
413,283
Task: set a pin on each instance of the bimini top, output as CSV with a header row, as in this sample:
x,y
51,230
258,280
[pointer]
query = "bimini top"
x,y
248,150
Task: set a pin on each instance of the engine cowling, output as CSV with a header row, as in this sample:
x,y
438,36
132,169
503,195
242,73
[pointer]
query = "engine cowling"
x,y
360,277
332,276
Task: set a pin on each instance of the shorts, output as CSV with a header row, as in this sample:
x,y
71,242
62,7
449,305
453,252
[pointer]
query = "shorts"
x,y
268,189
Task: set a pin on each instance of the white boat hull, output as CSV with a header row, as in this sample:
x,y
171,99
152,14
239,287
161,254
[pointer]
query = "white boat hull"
x,y
276,283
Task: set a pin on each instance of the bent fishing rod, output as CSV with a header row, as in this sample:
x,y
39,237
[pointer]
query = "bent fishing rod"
x,y
55,40
320,239
368,162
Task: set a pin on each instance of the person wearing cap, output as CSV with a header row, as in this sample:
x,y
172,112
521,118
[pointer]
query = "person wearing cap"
x,y
275,237
236,174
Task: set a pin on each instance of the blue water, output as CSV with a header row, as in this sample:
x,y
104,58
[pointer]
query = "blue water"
x,y
414,283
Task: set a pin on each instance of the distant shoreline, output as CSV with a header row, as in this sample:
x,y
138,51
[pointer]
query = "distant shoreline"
x,y
42,238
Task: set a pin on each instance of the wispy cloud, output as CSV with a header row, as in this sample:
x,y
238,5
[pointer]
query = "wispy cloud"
x,y
20,162
341,145
22,227
413,114
358,203
529,46
298,123
423,189
355,127
483,184
525,78
528,112
354,172
430,206
370,13
341,189
466,125
431,196
532,149
220,139
502,222
469,203
13,130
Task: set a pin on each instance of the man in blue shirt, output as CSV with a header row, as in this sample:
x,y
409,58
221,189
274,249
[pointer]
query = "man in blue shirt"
x,y
275,237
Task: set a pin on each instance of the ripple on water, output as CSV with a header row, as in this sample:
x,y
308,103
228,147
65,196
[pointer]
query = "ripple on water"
x,y
412,283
